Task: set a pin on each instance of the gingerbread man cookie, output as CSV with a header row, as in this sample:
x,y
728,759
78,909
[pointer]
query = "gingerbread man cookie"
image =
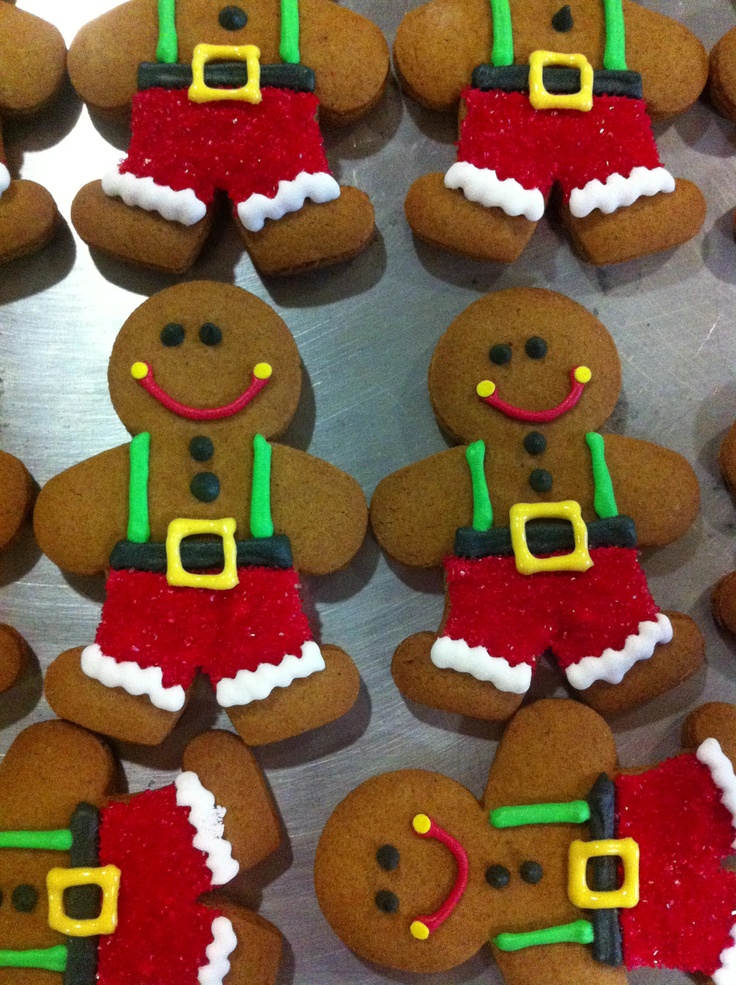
x,y
224,97
16,496
552,94
105,890
537,518
202,522
412,872
32,69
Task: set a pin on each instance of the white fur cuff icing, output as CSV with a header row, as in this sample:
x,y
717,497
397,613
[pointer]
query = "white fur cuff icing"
x,y
207,819
218,953
133,678
613,665
255,685
485,187
290,197
4,178
619,191
451,654
182,206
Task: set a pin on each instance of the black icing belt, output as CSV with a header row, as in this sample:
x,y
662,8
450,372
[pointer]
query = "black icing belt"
x,y
607,946
203,555
219,75
558,79
544,537
82,902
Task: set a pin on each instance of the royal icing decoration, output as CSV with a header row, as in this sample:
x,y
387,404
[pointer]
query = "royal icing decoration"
x,y
207,818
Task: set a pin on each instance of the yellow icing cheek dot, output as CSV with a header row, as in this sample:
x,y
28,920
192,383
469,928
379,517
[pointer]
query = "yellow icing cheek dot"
x,y
139,371
419,930
263,371
583,374
485,389
421,824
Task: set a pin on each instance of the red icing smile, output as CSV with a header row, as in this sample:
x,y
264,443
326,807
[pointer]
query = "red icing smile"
x,y
425,827
143,373
579,376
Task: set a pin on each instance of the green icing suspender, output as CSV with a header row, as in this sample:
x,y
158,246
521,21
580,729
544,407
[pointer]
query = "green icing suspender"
x,y
614,58
261,524
167,50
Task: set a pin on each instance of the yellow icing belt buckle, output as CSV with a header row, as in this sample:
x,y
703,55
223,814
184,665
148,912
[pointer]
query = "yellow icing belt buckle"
x,y
176,573
526,562
540,98
581,852
200,92
108,879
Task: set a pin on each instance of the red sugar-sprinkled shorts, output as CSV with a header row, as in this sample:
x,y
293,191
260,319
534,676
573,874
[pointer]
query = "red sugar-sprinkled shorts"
x,y
163,932
687,904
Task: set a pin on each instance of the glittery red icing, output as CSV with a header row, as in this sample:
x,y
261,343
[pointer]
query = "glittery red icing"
x,y
504,133
162,932
237,147
575,614
260,621
688,901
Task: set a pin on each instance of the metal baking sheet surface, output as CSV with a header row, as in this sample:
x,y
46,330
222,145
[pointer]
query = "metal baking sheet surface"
x,y
366,332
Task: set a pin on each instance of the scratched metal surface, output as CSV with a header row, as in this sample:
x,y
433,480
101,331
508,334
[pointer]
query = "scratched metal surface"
x,y
366,333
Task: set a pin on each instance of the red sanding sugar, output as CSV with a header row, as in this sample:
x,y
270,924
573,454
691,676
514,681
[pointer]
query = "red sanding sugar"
x,y
162,932
688,900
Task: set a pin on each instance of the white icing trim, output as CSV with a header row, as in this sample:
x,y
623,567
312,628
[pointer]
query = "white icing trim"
x,y
133,678
613,665
255,685
449,654
722,774
207,819
618,191
4,179
182,206
290,197
223,944
485,187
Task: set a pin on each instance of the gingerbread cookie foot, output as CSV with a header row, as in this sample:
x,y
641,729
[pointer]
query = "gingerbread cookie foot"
x,y
445,218
28,219
13,652
134,235
650,225
715,720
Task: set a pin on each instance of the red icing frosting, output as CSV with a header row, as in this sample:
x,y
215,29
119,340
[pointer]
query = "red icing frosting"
x,y
688,901
162,931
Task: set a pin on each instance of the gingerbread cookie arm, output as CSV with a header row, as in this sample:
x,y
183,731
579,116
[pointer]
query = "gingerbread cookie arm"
x,y
16,493
722,83
82,512
655,486
32,64
416,511
256,959
105,54
322,509
559,964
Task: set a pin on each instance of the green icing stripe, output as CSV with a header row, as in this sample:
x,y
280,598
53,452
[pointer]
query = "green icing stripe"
x,y
577,932
45,959
51,841
482,509
139,528
574,812
289,50
167,50
604,500
503,34
614,57
261,523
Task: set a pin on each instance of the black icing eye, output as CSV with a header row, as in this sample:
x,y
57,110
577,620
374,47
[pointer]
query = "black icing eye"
x,y
531,872
233,18
500,354
498,876
562,20
388,858
25,898
210,334
387,902
172,335
535,347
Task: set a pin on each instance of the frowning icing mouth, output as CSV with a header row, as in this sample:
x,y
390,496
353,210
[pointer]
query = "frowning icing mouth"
x,y
143,373
425,827
579,376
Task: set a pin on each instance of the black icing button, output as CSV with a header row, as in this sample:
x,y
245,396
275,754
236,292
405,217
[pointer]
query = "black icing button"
x,y
535,443
388,858
172,335
500,354
540,480
210,334
536,347
531,872
201,449
205,486
233,18
386,901
498,876
562,21
25,898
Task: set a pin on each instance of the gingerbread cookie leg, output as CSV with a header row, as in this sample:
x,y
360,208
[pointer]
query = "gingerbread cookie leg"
x,y
28,215
715,720
13,650
255,960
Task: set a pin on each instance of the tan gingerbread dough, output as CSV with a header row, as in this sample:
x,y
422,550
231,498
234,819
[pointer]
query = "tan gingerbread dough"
x,y
16,497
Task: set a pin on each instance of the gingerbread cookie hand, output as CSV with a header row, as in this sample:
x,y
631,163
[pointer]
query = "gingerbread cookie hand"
x,y
552,94
203,523
225,97
536,518
570,870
